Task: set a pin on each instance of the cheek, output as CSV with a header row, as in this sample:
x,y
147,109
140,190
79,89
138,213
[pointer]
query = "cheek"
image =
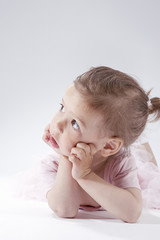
x,y
69,141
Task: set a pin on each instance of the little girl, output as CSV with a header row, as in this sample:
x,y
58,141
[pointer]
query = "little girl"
x,y
102,114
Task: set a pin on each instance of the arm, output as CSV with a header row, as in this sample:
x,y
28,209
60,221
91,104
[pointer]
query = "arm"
x,y
63,198
125,204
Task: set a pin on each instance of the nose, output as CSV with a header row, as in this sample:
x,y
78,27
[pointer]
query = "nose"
x,y
60,126
61,123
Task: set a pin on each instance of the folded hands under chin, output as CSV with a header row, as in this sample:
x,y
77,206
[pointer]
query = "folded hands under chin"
x,y
81,156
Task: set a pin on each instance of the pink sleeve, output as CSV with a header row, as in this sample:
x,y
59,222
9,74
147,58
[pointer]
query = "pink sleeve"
x,y
121,171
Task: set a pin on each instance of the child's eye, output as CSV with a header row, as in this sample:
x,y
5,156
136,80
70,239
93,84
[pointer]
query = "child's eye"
x,y
75,125
62,107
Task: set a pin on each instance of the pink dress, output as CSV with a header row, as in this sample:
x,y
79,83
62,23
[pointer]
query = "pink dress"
x,y
131,169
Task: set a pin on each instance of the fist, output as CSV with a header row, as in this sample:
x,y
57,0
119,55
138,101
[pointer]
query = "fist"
x,y
81,157
46,134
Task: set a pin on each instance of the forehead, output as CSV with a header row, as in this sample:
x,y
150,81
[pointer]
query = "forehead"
x,y
77,104
77,101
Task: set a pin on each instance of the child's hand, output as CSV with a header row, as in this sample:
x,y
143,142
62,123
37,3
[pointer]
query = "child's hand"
x,y
81,157
46,135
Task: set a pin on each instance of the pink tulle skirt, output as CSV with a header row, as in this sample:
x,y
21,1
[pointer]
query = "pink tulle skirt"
x,y
37,181
149,177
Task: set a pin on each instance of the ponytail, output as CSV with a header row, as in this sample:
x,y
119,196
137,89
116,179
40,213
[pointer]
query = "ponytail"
x,y
154,107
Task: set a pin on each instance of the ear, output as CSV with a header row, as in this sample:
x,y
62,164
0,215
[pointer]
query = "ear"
x,y
112,146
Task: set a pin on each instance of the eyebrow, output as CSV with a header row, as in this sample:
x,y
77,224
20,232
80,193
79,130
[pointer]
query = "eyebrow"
x,y
81,121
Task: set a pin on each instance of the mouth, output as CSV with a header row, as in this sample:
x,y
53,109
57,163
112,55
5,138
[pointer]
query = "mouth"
x,y
53,142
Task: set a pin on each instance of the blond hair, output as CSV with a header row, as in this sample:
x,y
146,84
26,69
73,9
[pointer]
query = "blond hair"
x,y
121,100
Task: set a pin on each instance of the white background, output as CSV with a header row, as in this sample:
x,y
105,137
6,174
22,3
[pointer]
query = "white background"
x,y
46,44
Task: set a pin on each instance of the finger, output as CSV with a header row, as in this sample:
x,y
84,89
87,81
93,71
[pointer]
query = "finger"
x,y
78,152
93,149
88,148
85,147
46,134
74,159
45,138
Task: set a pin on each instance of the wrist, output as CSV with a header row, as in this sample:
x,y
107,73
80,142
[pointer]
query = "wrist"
x,y
64,164
84,175
65,159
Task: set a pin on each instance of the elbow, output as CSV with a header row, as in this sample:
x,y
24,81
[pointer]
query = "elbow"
x,y
63,211
61,208
133,218
133,215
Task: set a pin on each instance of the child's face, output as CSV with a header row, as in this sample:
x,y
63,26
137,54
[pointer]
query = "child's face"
x,y
75,122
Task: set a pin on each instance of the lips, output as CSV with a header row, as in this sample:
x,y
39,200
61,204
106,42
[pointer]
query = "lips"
x,y
53,142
